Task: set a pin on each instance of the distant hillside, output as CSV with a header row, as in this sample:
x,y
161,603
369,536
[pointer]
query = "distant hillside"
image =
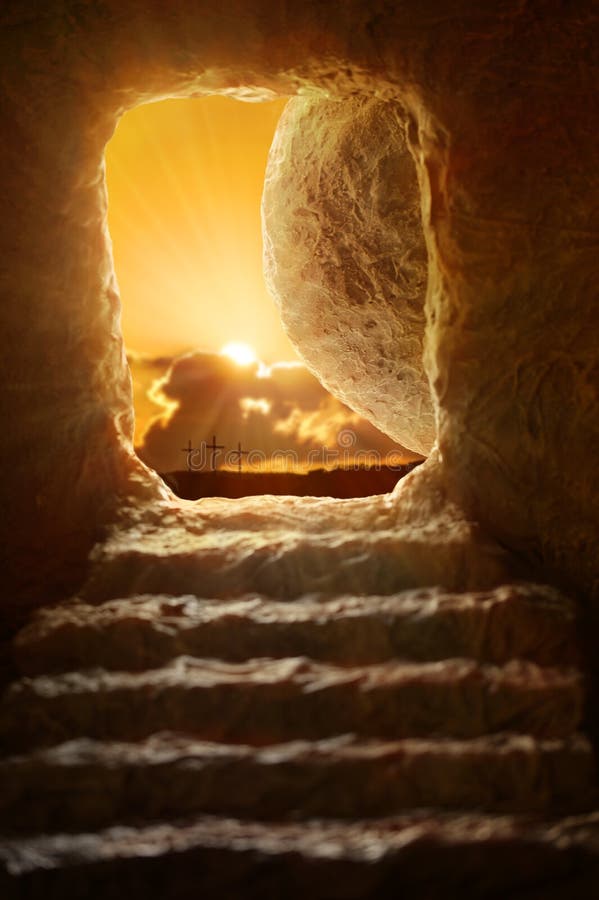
x,y
341,483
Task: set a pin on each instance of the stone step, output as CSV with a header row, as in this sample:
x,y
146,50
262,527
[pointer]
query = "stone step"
x,y
284,547
513,621
86,784
422,854
268,701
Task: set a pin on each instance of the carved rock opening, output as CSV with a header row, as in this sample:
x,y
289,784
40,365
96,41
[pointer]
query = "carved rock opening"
x,y
503,241
502,128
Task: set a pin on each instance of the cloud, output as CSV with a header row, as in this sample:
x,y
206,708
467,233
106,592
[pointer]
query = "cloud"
x,y
280,412
146,371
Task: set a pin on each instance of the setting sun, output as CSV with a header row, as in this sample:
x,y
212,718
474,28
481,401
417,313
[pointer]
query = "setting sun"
x,y
240,353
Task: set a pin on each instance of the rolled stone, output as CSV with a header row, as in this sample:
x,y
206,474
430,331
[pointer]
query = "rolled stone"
x,y
345,257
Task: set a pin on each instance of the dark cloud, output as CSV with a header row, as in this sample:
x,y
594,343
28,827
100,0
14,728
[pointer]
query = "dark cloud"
x,y
281,411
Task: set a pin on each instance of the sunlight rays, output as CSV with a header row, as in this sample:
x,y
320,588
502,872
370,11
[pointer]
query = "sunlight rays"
x,y
185,181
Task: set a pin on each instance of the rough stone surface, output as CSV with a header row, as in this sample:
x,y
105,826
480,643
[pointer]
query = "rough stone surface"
x,y
269,700
287,546
474,855
512,622
501,124
346,260
382,717
85,784
500,106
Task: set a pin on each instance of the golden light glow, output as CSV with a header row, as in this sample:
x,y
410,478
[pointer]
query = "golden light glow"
x,y
185,182
240,353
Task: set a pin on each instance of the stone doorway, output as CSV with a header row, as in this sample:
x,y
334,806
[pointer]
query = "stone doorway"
x,y
468,747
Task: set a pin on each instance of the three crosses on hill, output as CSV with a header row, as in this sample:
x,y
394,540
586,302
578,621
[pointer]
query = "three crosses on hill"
x,y
213,447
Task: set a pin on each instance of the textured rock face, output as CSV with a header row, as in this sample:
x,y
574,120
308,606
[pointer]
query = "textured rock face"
x,y
502,129
501,114
346,260
141,726
522,622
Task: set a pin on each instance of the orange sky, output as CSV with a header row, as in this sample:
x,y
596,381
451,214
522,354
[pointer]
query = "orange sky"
x,y
185,181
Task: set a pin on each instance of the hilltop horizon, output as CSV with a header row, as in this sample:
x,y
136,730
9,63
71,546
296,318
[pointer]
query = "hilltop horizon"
x,y
339,482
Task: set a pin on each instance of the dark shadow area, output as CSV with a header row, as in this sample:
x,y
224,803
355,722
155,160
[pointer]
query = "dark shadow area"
x,y
339,483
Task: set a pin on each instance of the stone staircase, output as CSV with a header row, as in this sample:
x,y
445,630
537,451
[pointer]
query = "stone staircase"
x,y
419,742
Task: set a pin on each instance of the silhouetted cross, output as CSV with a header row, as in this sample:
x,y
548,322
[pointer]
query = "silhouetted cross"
x,y
239,453
189,450
213,447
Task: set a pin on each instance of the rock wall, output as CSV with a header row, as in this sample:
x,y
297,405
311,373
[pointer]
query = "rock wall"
x,y
502,117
